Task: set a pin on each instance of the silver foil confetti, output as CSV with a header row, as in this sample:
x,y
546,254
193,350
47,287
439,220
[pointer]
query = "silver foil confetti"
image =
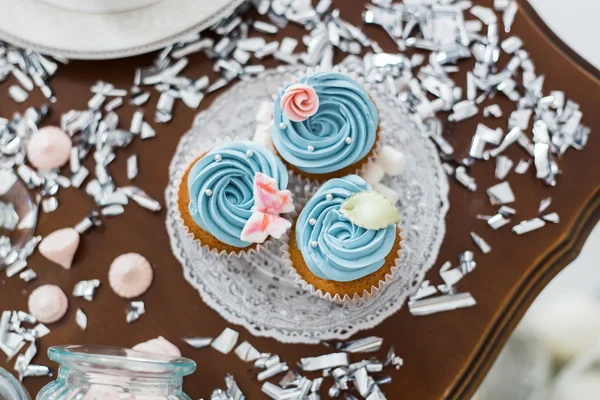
x,y
198,342
134,311
552,217
226,341
81,319
86,289
132,167
246,352
481,243
323,362
443,303
528,226
501,194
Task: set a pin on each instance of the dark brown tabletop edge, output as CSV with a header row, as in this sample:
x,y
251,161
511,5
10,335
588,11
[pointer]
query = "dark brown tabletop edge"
x,y
544,271
549,265
527,11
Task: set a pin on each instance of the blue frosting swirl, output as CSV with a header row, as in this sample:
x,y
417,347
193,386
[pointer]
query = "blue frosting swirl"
x,y
345,111
227,174
344,252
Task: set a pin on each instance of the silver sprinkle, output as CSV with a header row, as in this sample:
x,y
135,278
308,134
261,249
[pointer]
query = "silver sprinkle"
x,y
136,122
329,197
503,167
522,166
86,289
443,303
226,341
544,204
208,192
310,148
134,311
132,167
481,243
246,352
113,104
28,275
15,268
465,179
112,210
501,194
198,342
81,319
492,110
552,217
264,27
272,371
426,289
497,221
528,226
50,204
323,362
365,345
147,131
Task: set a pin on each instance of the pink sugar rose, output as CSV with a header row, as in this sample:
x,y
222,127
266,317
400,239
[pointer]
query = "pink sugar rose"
x,y
299,102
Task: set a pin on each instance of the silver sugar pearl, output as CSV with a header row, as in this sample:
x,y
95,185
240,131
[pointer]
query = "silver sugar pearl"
x,y
310,148
282,125
218,158
208,192
249,153
314,243
312,221
329,197
348,140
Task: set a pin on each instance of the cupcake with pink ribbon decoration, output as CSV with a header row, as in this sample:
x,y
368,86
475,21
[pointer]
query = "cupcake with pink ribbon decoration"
x,y
234,197
325,125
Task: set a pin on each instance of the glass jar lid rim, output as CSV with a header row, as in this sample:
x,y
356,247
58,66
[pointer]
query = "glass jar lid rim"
x,y
121,359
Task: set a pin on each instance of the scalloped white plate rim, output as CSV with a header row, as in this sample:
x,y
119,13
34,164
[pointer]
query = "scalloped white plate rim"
x,y
50,30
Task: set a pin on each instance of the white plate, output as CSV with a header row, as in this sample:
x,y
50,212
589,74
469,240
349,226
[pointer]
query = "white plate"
x,y
83,35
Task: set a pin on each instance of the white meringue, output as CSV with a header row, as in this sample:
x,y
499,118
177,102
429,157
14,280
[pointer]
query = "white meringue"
x,y
60,246
48,303
49,148
130,275
160,345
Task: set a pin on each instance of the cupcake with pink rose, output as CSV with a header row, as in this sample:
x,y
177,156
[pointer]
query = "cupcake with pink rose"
x,y
325,125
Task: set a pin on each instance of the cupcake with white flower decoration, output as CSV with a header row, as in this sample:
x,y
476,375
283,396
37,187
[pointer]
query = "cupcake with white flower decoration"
x,y
325,125
234,197
345,245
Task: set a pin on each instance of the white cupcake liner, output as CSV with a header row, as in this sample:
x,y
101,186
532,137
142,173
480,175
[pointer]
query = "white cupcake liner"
x,y
372,94
366,295
174,199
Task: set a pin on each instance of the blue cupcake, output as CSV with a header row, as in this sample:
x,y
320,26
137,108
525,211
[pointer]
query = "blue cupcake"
x,y
325,125
231,197
345,242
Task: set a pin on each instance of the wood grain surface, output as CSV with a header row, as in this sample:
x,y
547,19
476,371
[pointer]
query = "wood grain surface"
x,y
446,355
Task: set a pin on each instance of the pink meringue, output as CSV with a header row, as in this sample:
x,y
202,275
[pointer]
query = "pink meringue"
x,y
48,303
49,148
60,246
299,102
160,345
130,275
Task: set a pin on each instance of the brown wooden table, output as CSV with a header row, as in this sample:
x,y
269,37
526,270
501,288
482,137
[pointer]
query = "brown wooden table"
x,y
446,355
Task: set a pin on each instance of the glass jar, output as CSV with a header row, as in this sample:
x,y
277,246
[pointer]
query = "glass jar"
x,y
112,373
10,388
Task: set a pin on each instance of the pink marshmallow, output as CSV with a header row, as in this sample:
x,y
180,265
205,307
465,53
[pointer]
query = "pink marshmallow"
x,y
130,275
48,303
49,148
60,246
160,345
